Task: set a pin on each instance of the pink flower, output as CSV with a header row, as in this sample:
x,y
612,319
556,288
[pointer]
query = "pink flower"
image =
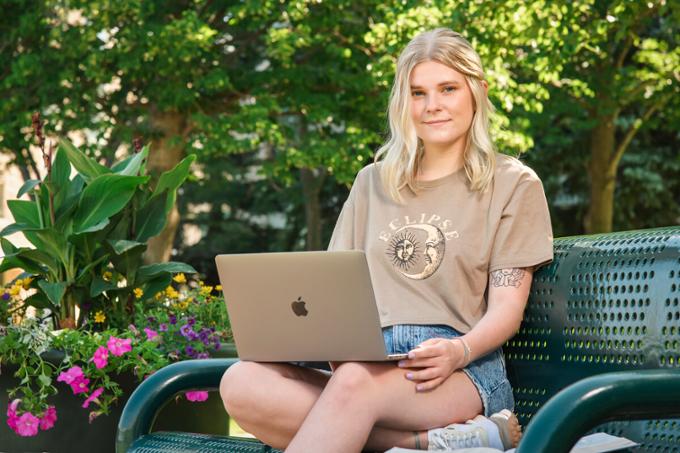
x,y
48,418
101,357
80,385
12,414
198,395
150,334
119,346
92,397
71,375
27,425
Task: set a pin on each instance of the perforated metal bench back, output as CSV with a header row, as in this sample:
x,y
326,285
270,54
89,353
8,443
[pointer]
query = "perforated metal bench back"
x,y
605,304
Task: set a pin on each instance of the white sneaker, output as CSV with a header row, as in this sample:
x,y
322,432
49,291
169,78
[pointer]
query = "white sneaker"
x,y
500,431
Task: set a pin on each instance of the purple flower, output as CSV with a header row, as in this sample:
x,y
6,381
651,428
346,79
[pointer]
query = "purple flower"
x,y
212,329
191,352
191,321
204,336
203,355
5,296
151,319
186,331
12,416
172,318
218,345
163,327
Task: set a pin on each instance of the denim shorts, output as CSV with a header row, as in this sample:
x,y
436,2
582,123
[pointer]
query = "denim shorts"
x,y
487,373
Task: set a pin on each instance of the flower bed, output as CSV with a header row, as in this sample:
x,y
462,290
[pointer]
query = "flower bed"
x,y
184,322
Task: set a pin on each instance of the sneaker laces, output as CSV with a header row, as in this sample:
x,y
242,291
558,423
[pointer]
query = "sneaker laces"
x,y
459,439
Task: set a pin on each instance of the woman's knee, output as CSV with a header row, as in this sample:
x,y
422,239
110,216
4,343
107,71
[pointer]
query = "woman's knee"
x,y
238,386
351,379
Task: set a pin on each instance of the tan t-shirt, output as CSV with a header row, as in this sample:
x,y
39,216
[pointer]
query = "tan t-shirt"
x,y
430,259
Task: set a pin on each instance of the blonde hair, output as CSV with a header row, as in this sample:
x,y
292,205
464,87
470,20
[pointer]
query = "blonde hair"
x,y
403,150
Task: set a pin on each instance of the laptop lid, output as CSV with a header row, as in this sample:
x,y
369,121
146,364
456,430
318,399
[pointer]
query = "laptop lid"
x,y
302,306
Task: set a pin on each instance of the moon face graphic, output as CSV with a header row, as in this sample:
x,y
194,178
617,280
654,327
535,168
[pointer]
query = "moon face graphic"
x,y
418,248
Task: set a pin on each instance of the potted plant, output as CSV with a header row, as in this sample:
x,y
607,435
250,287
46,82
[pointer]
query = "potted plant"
x,y
87,319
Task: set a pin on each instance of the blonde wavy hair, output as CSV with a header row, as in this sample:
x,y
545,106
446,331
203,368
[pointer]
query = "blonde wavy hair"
x,y
402,152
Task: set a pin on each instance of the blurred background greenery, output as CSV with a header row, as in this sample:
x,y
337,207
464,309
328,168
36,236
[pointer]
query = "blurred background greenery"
x,y
284,101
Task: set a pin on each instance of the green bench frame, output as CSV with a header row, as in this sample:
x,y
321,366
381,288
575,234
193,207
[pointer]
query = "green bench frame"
x,y
600,343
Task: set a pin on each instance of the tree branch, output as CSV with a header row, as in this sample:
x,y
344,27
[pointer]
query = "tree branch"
x,y
635,127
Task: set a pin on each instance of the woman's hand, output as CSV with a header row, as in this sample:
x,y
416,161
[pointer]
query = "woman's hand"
x,y
437,359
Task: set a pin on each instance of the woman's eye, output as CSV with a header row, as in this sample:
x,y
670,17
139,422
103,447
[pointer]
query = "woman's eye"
x,y
449,88
415,93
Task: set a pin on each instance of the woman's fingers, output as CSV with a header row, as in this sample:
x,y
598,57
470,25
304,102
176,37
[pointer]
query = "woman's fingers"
x,y
429,385
423,375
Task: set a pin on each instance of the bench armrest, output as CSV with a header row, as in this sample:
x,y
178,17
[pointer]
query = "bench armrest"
x,y
628,395
140,411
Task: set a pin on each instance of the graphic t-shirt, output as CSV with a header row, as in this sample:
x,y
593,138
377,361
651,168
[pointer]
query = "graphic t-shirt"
x,y
430,259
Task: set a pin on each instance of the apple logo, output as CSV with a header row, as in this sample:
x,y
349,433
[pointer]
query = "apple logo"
x,y
299,307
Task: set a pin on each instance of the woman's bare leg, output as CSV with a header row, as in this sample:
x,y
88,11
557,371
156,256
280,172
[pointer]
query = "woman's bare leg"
x,y
360,396
272,401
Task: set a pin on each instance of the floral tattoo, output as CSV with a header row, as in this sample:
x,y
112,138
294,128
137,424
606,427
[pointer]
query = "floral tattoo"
x,y
507,277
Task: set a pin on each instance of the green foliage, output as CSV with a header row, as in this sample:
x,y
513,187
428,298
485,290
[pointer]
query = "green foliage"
x,y
84,230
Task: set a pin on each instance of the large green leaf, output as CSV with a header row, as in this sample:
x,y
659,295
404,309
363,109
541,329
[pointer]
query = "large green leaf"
x,y
61,170
103,197
156,285
121,246
172,179
151,218
39,300
87,167
24,211
28,186
38,258
17,227
99,285
53,291
51,241
134,165
7,247
150,271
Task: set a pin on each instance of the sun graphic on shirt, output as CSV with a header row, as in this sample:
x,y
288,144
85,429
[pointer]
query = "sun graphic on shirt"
x,y
403,250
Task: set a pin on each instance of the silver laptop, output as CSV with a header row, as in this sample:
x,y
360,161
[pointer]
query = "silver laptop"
x,y
302,306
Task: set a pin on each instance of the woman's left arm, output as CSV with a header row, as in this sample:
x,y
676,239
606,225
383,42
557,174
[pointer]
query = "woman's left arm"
x,y
438,358
507,296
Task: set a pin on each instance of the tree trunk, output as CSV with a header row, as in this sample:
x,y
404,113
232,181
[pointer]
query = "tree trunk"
x,y
312,181
167,150
602,173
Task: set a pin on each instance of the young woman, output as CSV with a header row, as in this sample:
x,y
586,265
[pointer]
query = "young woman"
x,y
452,232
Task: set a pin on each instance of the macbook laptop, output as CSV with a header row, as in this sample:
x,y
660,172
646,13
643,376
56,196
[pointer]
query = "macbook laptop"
x,y
302,306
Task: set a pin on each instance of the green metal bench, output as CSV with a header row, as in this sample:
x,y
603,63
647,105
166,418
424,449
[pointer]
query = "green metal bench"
x,y
600,343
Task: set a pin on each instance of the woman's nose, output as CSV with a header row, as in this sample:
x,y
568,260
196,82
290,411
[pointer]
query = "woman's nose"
x,y
432,103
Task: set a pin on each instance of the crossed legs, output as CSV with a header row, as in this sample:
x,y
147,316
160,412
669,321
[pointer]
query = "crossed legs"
x,y
361,405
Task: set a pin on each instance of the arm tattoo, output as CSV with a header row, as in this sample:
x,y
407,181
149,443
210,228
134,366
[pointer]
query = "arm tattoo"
x,y
507,277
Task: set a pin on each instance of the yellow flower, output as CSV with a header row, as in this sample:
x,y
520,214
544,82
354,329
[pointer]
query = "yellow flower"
x,y
183,305
158,296
107,276
218,288
25,282
138,293
206,290
99,317
180,278
14,290
171,292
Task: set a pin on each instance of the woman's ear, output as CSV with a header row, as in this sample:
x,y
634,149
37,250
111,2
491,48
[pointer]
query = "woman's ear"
x,y
486,87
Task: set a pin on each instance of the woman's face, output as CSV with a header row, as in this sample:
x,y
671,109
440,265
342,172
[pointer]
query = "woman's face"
x,y
441,96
